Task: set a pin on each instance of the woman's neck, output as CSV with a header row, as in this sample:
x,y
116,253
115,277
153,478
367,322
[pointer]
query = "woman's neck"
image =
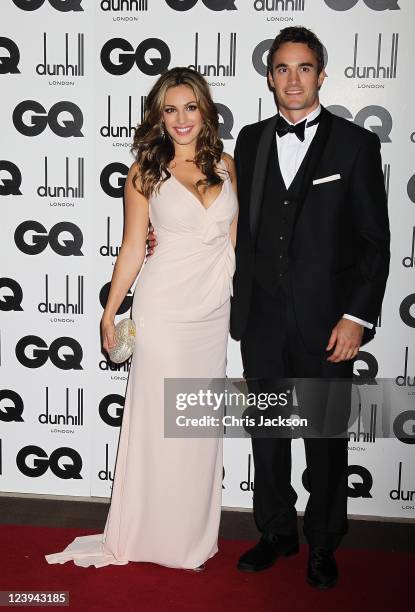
x,y
184,153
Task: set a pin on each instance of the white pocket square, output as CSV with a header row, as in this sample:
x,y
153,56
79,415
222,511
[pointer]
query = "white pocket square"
x,y
326,179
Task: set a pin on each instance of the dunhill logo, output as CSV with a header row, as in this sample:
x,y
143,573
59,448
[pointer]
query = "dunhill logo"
x,y
46,418
65,69
386,176
367,436
217,69
279,5
106,474
259,109
124,5
405,380
248,484
107,250
409,261
398,494
63,191
66,307
378,71
121,131
379,321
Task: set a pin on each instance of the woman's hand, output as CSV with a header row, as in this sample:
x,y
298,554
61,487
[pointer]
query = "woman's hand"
x,y
108,333
151,240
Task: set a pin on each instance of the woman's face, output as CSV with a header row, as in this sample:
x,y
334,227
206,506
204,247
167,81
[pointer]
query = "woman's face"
x,y
181,115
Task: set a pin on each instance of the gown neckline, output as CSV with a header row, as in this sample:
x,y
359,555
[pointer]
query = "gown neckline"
x,y
194,196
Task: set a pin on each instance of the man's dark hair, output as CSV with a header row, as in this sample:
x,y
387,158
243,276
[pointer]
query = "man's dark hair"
x,y
298,34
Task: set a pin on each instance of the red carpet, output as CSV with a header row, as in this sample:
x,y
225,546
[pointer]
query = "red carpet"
x,y
370,580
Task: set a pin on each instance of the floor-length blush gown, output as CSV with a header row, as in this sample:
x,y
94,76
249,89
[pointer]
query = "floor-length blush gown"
x,y
166,497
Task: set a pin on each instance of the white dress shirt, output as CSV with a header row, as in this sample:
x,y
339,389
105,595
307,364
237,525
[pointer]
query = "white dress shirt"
x,y
291,152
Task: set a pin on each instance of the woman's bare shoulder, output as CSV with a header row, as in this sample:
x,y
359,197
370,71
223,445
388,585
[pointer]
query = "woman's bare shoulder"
x,y
229,163
134,175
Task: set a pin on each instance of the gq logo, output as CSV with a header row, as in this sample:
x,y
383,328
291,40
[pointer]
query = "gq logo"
x,y
12,409
11,185
152,56
105,179
362,488
354,489
406,417
40,353
64,6
375,5
410,189
40,119
259,56
125,304
360,375
9,64
213,5
41,462
408,305
226,121
383,130
41,239
11,302
104,413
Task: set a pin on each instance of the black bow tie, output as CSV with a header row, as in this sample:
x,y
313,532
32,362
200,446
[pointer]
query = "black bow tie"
x,y
283,127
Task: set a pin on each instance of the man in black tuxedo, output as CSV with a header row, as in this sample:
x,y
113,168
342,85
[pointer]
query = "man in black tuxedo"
x,y
312,259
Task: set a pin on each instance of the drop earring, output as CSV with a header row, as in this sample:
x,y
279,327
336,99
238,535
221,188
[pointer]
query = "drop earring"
x,y
162,131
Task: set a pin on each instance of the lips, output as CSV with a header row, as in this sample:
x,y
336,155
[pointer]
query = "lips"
x,y
183,131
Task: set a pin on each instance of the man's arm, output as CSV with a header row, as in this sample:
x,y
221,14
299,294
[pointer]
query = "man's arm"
x,y
237,157
370,216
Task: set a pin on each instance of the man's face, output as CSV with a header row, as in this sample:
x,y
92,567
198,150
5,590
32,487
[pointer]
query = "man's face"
x,y
294,77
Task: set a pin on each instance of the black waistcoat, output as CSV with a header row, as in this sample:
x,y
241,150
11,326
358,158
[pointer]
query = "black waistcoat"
x,y
278,212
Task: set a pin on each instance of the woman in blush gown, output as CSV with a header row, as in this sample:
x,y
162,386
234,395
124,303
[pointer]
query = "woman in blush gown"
x,y
166,497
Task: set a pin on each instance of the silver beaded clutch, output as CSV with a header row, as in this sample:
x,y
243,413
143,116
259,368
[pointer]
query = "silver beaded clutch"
x,y
125,340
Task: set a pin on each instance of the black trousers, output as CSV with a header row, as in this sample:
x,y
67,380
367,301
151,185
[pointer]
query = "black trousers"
x,y
272,349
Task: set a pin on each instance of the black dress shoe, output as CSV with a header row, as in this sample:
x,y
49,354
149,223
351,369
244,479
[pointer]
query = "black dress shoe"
x,y
322,570
264,554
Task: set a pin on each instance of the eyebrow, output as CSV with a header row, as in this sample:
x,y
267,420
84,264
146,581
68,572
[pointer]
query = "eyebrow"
x,y
301,64
186,104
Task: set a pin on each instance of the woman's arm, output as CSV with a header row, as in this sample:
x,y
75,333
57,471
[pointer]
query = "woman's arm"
x,y
230,166
131,256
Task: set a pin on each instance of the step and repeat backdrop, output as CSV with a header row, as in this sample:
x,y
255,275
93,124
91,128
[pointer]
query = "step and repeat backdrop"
x,y
74,76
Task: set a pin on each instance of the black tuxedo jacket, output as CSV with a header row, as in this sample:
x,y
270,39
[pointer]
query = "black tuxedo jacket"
x,y
339,252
